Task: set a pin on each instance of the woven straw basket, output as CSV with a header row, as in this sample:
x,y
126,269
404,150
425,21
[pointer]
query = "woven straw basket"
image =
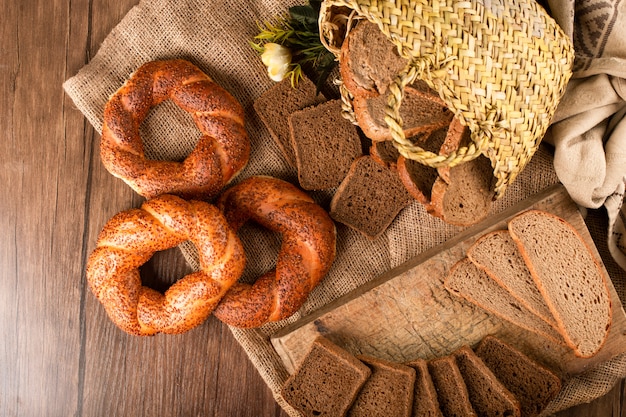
x,y
501,66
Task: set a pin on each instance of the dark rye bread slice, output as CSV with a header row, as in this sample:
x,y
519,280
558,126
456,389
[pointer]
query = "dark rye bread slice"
x,y
489,397
369,61
467,281
569,277
276,105
326,382
451,389
462,195
425,403
458,135
325,145
387,392
498,255
467,199
369,198
533,385
420,112
385,153
418,178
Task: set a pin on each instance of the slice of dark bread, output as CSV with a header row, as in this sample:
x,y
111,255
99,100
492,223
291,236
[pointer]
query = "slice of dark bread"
x,y
533,385
418,178
422,85
385,153
387,392
467,199
473,284
369,198
462,195
326,382
497,254
420,112
489,397
368,60
451,389
425,403
276,105
325,145
458,135
569,277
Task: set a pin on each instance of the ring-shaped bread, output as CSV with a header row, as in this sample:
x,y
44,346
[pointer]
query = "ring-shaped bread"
x,y
221,152
306,254
130,238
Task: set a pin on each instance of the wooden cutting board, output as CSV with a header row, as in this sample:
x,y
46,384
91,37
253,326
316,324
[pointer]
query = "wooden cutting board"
x,y
407,313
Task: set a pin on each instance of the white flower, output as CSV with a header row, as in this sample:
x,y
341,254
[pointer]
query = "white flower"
x,y
277,58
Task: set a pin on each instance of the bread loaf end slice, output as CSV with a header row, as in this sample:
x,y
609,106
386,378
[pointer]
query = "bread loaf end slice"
x,y
462,194
569,277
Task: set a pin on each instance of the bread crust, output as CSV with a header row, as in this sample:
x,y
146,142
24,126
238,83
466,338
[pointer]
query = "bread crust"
x,y
385,154
531,382
499,302
360,74
221,152
307,251
326,381
550,295
410,185
375,127
369,198
488,395
448,194
131,237
526,291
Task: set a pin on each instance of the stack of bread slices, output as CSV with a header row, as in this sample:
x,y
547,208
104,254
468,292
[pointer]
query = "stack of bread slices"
x,y
493,379
330,154
538,274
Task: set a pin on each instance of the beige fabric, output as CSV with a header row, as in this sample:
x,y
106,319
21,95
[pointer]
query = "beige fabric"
x,y
589,127
214,34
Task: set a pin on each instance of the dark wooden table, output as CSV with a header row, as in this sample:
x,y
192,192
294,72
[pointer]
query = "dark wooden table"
x,y
59,354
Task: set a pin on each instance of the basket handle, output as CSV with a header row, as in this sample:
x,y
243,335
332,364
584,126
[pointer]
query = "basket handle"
x,y
407,148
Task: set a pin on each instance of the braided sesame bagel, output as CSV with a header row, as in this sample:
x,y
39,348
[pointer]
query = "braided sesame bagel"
x,y
306,254
221,152
130,238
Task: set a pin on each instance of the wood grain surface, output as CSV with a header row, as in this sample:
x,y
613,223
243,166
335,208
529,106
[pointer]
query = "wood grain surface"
x,y
407,313
59,354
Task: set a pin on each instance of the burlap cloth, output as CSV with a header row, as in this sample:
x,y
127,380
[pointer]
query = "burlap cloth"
x,y
215,35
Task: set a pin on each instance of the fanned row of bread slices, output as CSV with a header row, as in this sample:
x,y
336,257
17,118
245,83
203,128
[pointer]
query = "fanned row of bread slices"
x,y
541,275
491,379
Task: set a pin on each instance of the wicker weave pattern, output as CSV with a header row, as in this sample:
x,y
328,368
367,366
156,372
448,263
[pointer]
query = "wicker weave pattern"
x,y
500,65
